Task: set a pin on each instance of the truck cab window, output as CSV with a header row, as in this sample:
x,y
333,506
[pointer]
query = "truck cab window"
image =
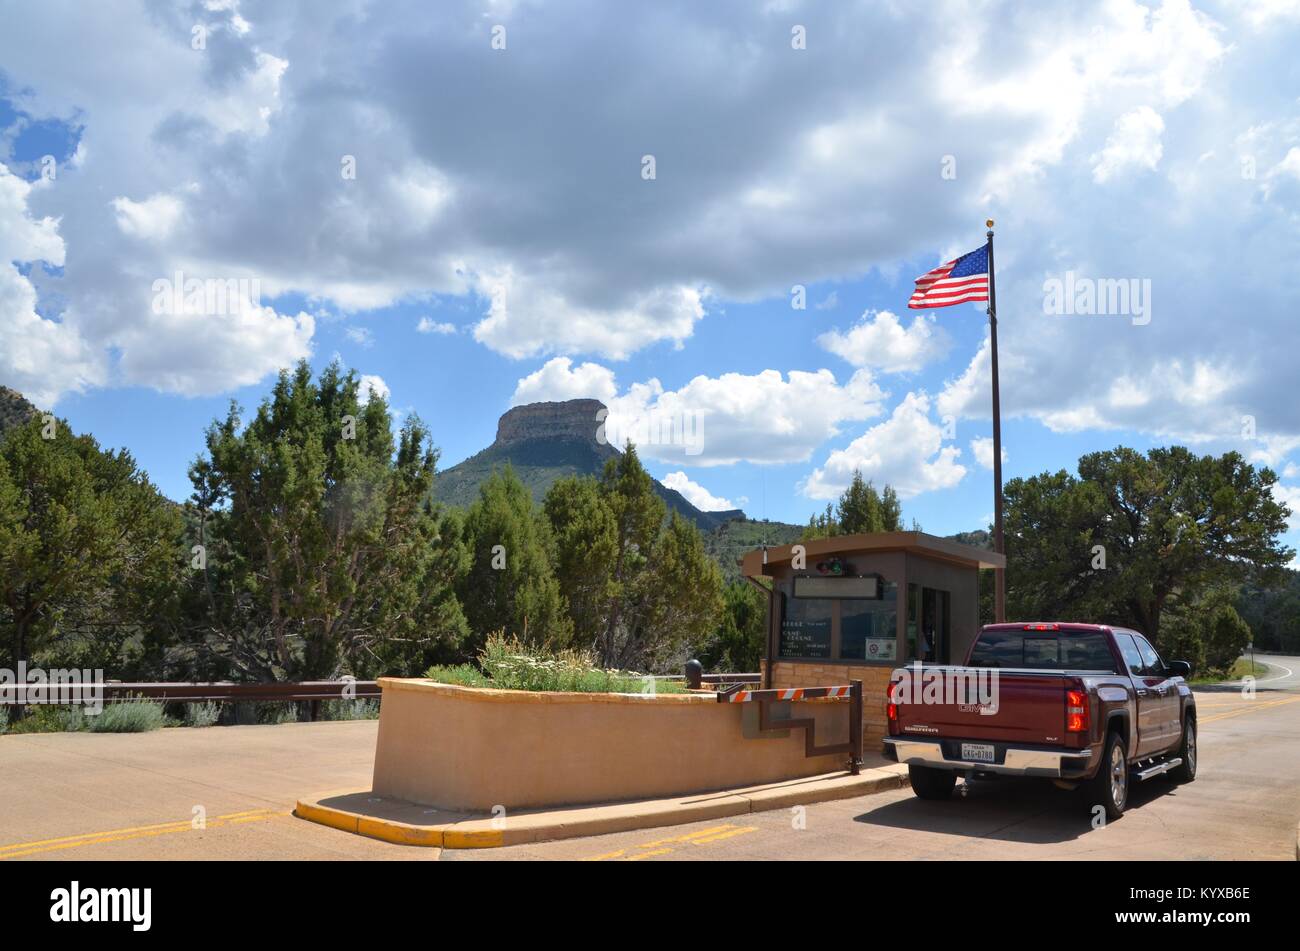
x,y
1151,662
1132,657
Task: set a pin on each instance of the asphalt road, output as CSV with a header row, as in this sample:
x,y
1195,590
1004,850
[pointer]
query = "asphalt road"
x,y
1244,804
102,796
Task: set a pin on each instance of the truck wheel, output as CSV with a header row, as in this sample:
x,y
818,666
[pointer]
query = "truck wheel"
x,y
1109,788
931,783
1185,772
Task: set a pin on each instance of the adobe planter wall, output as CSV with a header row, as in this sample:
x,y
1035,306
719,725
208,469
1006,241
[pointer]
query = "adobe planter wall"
x,y
469,749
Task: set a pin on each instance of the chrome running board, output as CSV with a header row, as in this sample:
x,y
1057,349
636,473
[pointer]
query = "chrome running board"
x,y
1159,768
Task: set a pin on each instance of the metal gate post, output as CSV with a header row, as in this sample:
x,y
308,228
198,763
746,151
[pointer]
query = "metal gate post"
x,y
855,727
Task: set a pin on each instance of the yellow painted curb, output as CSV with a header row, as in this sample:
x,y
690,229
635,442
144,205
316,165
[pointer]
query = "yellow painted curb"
x,y
578,822
325,816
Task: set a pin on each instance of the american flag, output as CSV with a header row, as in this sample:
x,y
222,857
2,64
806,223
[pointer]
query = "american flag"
x,y
963,279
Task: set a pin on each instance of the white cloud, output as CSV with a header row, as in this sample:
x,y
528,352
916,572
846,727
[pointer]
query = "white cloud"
x,y
428,326
499,186
982,449
1135,143
906,451
559,380
371,382
764,417
41,358
1289,495
153,219
360,335
880,340
526,318
200,353
696,494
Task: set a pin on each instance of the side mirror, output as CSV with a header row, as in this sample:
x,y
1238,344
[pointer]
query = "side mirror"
x,y
1180,668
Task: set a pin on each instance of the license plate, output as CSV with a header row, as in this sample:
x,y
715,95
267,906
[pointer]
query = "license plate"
x,y
977,752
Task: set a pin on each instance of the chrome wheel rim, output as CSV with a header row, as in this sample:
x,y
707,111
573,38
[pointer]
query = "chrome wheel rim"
x,y
1118,776
1191,747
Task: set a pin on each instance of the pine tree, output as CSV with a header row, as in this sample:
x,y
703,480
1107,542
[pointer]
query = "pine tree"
x,y
860,510
586,547
511,585
88,547
639,585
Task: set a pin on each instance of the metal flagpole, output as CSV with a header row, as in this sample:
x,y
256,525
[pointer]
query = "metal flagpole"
x,y
999,574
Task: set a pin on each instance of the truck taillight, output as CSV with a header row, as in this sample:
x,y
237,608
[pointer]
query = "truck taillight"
x,y
891,705
1076,711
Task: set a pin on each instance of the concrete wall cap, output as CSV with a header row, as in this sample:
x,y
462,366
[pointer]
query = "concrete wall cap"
x,y
492,695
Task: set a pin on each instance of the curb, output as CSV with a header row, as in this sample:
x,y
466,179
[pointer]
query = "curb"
x,y
459,831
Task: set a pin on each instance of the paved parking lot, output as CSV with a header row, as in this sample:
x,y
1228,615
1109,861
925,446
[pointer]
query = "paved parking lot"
x,y
127,796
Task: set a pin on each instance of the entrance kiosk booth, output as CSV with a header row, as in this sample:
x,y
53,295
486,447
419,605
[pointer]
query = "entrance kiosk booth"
x,y
855,607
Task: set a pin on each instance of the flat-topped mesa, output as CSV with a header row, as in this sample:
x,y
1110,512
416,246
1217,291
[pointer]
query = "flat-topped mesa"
x,y
571,420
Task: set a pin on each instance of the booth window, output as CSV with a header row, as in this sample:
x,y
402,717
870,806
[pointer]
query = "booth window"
x,y
869,629
857,615
806,627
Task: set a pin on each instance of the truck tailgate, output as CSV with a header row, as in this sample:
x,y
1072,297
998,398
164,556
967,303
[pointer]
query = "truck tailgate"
x,y
1030,709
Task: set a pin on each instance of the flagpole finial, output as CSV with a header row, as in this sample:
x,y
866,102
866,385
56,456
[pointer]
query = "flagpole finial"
x,y
988,223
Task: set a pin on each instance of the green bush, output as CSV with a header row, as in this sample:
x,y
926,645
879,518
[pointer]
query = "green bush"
x,y
43,718
202,714
462,675
129,716
273,713
508,664
350,710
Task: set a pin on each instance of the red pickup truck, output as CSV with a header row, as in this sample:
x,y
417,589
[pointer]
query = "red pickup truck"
x,y
1085,705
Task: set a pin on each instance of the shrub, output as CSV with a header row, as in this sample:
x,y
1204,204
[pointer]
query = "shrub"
x,y
350,710
43,718
274,713
129,716
508,664
462,675
202,714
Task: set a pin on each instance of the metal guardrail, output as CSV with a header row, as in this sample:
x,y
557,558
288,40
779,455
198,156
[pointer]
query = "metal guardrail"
x,y
696,678
313,691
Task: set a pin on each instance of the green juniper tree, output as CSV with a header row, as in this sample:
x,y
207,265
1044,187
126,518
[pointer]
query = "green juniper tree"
x,y
860,509
638,582
322,554
1135,535
510,585
88,550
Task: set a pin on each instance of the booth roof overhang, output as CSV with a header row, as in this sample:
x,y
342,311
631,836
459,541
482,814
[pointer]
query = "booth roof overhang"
x,y
753,565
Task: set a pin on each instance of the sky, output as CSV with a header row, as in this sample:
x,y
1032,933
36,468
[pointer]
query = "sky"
x,y
709,217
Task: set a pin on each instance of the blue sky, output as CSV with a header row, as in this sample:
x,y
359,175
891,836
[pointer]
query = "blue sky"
x,y
500,197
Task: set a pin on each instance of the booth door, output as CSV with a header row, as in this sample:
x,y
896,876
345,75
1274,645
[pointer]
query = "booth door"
x,y
930,640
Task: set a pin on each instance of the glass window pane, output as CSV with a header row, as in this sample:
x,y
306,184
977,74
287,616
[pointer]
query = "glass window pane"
x,y
806,628
869,629
1151,661
1132,658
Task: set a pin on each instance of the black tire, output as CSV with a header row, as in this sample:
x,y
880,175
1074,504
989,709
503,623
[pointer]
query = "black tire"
x,y
1109,788
931,783
1185,771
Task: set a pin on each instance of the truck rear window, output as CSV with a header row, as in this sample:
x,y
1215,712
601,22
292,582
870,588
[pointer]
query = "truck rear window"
x,y
1042,651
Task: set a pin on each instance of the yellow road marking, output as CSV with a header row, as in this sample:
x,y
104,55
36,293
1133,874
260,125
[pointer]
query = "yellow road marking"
x,y
1251,707
688,837
19,849
726,835
645,855
663,846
